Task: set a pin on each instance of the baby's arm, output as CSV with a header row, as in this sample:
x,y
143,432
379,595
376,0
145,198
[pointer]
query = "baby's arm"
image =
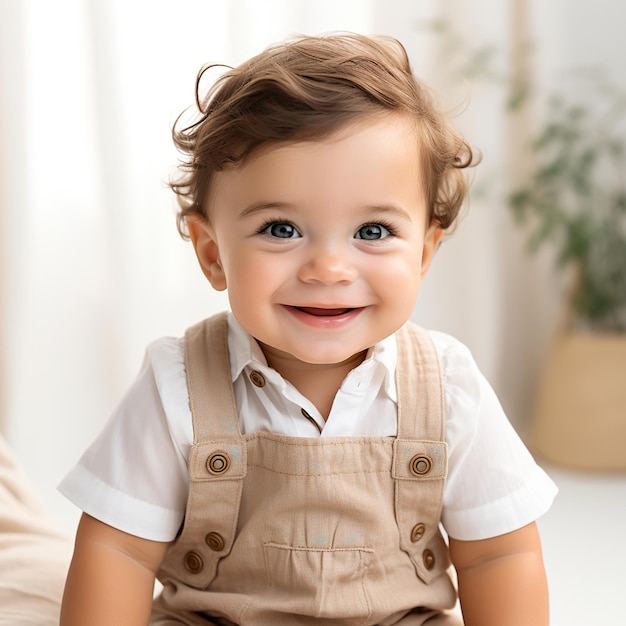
x,y
502,580
111,577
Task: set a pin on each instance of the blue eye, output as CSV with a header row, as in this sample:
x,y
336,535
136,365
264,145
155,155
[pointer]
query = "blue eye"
x,y
280,230
371,232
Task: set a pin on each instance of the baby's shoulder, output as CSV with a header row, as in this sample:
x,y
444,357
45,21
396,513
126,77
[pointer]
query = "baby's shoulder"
x,y
460,374
164,361
449,348
165,349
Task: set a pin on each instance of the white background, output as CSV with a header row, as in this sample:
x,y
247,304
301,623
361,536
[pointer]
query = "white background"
x,y
91,267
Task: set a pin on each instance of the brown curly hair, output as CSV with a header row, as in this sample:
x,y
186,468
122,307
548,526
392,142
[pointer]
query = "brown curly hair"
x,y
305,89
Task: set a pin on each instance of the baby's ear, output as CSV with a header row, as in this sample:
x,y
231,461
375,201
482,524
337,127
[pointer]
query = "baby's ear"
x,y
432,239
207,251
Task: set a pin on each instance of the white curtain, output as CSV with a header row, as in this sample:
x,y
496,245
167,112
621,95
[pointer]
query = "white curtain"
x,y
91,266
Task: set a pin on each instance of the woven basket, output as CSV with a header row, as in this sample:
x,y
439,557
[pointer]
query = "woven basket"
x,y
580,419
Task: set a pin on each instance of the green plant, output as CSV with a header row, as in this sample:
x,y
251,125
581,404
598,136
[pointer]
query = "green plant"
x,y
575,199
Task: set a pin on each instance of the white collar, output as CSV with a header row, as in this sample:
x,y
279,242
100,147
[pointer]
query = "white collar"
x,y
244,351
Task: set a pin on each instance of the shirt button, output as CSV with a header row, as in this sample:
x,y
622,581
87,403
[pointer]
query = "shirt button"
x,y
218,463
215,541
417,532
257,378
193,562
429,559
421,464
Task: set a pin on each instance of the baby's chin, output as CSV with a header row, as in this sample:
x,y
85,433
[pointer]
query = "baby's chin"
x,y
312,358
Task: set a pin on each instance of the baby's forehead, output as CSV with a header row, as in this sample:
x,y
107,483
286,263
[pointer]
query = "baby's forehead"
x,y
312,140
370,164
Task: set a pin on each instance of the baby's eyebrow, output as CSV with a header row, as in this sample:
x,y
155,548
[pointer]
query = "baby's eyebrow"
x,y
368,210
392,209
262,206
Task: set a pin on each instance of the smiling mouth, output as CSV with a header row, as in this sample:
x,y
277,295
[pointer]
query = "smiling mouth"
x,y
321,312
325,318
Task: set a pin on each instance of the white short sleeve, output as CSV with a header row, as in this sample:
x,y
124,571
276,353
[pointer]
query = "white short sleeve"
x,y
134,475
494,485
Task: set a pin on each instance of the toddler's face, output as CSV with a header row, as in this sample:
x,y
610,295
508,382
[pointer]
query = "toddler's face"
x,y
322,245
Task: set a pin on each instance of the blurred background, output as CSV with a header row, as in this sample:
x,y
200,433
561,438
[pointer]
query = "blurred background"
x,y
92,269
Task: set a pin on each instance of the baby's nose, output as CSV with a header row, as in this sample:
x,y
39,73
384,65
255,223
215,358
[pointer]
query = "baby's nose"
x,y
328,268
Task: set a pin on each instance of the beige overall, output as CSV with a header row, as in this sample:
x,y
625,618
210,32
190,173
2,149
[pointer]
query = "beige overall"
x,y
282,530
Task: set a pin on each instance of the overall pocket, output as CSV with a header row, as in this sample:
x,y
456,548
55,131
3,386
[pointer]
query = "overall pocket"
x,y
322,583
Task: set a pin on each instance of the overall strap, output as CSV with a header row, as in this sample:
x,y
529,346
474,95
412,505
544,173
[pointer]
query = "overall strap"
x,y
217,458
211,395
419,385
420,463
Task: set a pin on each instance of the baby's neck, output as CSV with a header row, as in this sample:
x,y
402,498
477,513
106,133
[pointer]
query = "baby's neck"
x,y
317,382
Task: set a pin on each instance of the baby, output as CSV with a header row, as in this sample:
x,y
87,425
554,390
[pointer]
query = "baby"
x,y
293,461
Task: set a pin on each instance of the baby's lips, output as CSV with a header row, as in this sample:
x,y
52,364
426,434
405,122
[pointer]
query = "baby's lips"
x,y
321,312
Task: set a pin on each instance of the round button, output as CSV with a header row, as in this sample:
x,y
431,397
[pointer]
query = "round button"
x,y
215,541
193,562
421,464
417,532
218,463
257,378
429,559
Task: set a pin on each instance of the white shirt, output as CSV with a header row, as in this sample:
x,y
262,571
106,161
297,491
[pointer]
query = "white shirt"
x,y
134,476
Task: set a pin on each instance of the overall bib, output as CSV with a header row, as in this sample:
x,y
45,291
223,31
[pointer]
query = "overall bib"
x,y
281,530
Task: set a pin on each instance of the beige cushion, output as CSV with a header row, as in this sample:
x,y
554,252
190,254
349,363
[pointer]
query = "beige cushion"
x,y
34,556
